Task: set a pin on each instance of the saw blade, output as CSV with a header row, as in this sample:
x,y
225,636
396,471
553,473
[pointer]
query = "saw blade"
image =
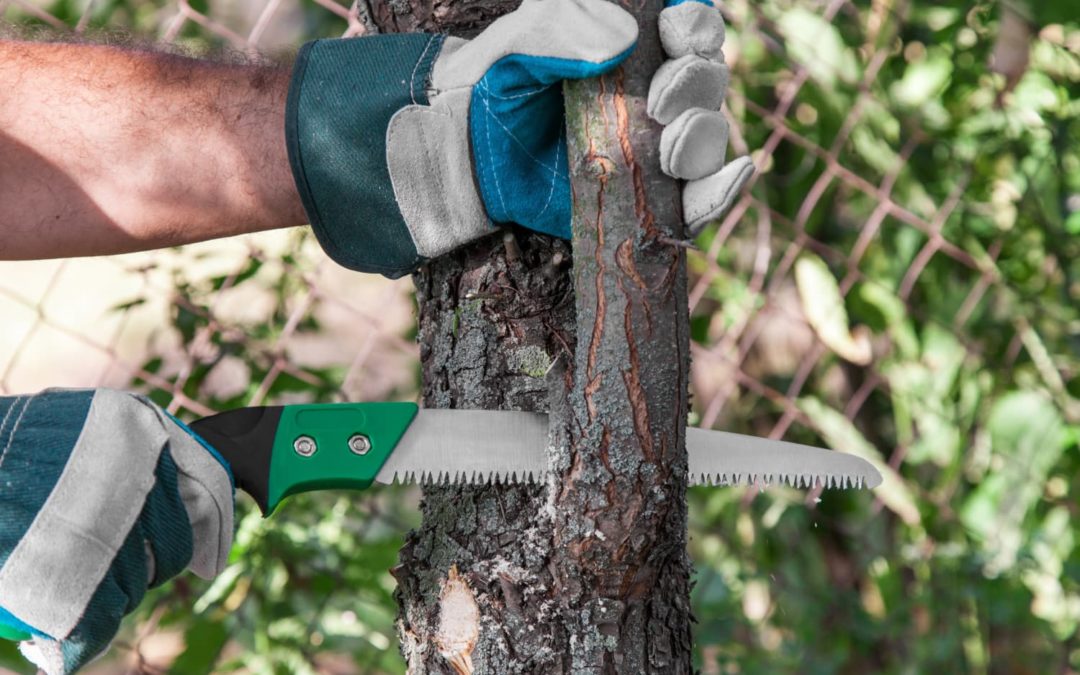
x,y
724,458
470,446
493,446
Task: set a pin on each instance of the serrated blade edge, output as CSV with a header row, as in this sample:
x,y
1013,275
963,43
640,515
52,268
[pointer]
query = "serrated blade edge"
x,y
510,447
462,478
470,446
723,458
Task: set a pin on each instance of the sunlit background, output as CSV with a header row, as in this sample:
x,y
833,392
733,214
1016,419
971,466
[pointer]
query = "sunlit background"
x,y
901,281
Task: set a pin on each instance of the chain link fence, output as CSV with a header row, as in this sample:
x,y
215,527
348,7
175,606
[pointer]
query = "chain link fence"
x,y
896,275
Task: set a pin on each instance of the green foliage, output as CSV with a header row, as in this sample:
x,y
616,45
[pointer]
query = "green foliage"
x,y
965,559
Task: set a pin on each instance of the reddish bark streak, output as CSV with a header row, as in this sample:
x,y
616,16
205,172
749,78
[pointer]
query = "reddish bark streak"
x,y
639,403
590,389
601,104
624,258
605,457
592,378
641,199
571,475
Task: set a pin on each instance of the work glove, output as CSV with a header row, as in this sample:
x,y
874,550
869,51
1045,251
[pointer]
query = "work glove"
x,y
685,95
102,496
407,146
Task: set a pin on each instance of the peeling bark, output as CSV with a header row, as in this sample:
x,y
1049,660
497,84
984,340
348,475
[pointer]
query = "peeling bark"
x,y
588,574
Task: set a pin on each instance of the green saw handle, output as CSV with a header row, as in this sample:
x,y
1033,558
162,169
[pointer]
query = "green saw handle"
x,y
13,634
279,451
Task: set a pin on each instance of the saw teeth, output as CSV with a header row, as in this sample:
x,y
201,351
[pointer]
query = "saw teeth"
x,y
803,481
447,478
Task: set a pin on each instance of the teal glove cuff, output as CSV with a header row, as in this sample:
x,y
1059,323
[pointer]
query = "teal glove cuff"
x,y
342,96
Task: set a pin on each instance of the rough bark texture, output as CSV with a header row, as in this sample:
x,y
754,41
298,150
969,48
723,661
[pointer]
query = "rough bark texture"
x,y
491,325
588,574
460,17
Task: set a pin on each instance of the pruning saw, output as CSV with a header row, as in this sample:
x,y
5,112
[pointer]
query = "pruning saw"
x,y
278,451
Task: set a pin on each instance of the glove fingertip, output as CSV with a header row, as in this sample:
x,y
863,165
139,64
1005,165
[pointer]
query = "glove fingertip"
x,y
619,38
692,27
693,146
688,82
560,40
709,198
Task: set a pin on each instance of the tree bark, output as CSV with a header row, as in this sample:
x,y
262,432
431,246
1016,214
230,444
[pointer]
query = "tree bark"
x,y
587,573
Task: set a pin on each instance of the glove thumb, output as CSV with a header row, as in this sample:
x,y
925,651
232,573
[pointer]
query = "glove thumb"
x,y
540,43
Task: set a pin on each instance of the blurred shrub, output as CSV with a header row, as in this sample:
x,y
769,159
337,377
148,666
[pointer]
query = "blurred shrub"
x,y
948,352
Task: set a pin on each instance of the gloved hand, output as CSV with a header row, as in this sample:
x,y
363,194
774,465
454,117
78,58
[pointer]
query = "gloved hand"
x,y
685,95
102,495
406,146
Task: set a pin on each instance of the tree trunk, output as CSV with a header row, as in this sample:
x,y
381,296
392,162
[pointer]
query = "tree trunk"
x,y
589,572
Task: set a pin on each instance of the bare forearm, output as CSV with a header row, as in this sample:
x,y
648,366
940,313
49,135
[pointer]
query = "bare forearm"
x,y
104,150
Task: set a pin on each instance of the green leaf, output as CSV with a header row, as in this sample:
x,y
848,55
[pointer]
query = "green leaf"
x,y
1042,12
1028,436
1036,93
204,640
892,308
11,658
923,80
824,308
924,394
1072,224
875,150
222,586
817,44
1052,544
940,18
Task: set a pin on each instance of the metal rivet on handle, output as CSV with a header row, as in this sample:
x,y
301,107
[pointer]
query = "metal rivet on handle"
x,y
359,444
305,446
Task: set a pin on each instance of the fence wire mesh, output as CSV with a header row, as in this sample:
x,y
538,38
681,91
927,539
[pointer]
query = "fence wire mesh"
x,y
870,265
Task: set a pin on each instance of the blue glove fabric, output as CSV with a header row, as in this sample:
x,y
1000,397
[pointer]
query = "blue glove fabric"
x,y
103,497
518,127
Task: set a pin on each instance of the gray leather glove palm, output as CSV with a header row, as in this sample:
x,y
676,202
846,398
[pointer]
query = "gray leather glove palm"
x,y
102,495
406,146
